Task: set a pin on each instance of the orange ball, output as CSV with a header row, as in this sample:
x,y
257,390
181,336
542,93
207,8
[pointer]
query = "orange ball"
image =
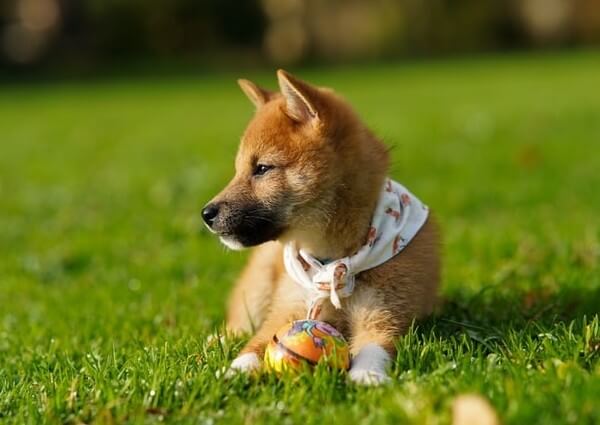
x,y
306,343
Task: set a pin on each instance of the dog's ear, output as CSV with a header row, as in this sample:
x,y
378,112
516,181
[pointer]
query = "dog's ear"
x,y
257,95
299,97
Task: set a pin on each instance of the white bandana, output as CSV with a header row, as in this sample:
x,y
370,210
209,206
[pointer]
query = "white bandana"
x,y
398,217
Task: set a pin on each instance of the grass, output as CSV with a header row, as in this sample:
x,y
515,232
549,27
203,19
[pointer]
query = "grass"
x,y
109,286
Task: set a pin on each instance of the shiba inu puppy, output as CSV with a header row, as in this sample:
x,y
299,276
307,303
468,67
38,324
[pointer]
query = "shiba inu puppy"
x,y
334,238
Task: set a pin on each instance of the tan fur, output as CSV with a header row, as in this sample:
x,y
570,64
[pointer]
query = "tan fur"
x,y
251,297
329,171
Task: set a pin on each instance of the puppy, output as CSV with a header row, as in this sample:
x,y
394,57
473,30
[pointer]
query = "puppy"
x,y
335,239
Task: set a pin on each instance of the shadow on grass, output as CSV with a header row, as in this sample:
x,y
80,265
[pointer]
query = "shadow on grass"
x,y
503,321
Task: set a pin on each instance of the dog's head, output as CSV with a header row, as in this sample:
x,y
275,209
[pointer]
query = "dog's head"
x,y
287,166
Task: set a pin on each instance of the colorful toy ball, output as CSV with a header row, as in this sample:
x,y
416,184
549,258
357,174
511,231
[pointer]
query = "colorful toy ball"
x,y
305,343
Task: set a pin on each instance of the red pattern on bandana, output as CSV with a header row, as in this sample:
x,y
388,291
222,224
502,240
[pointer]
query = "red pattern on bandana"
x,y
394,213
396,247
388,186
304,263
405,199
372,236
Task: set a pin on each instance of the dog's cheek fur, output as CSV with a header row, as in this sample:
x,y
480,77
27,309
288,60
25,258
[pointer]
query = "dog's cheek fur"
x,y
286,193
312,191
271,190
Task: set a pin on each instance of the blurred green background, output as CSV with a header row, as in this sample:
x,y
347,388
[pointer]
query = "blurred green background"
x,y
81,36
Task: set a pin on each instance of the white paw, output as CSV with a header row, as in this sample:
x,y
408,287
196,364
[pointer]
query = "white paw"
x,y
368,377
245,363
369,366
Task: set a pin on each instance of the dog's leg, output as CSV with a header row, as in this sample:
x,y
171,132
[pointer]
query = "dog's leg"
x,y
288,305
254,289
372,331
387,299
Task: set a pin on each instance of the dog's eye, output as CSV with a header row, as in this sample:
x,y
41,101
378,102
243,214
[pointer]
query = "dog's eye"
x,y
261,169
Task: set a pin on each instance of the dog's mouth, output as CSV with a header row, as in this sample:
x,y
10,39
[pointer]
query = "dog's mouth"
x,y
231,243
248,228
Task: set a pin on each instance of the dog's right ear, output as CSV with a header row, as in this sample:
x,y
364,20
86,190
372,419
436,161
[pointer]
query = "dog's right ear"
x,y
258,96
299,98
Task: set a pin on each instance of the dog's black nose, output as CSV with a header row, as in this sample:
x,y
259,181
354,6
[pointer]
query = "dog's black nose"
x,y
210,213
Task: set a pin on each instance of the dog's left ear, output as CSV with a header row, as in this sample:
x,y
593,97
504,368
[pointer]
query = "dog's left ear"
x,y
257,95
300,97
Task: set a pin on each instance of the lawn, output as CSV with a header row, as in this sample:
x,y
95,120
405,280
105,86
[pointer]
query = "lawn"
x,y
109,285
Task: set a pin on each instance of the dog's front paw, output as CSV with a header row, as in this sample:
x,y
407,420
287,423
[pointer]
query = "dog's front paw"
x,y
369,366
368,377
245,363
